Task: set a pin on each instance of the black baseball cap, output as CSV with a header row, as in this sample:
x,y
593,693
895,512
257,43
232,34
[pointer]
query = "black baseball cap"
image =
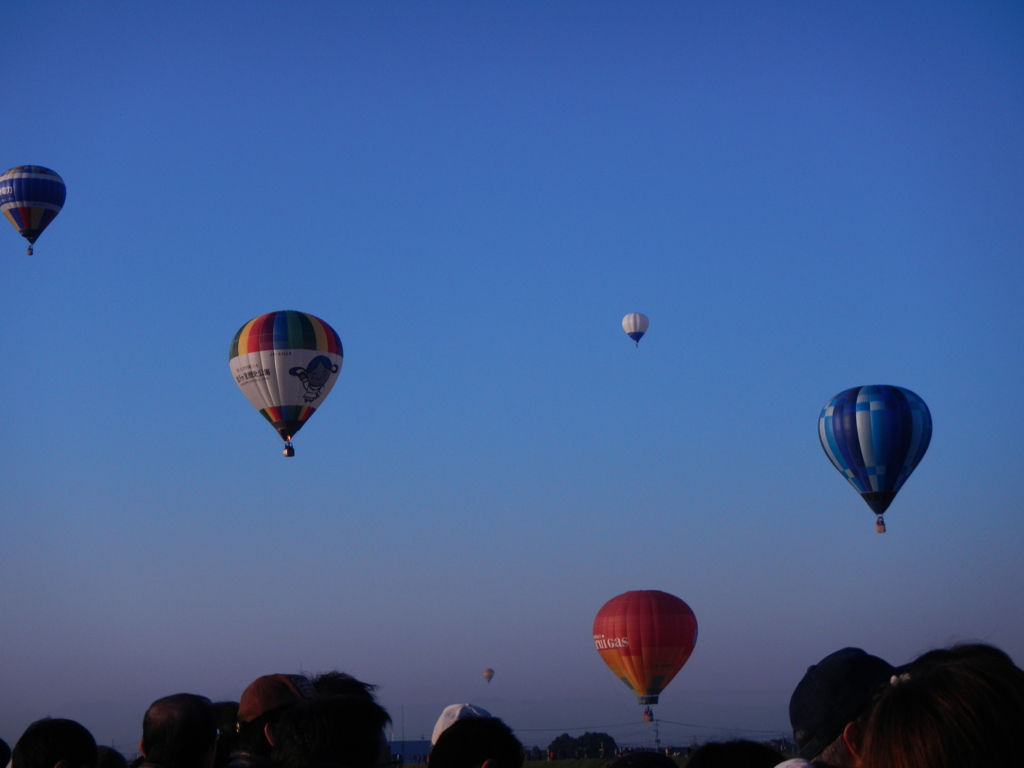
x,y
834,692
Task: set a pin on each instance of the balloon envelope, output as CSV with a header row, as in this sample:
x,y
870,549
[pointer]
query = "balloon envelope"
x,y
875,436
31,197
635,325
488,674
285,363
645,637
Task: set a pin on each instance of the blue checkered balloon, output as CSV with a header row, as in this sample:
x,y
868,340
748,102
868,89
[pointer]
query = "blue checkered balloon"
x,y
875,436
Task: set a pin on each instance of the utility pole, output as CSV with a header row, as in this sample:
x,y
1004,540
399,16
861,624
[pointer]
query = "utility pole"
x,y
657,741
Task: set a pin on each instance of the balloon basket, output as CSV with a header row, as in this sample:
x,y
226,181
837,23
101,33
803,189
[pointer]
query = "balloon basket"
x,y
289,450
879,525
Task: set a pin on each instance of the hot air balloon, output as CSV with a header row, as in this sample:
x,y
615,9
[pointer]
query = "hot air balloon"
x,y
645,637
635,325
286,364
488,674
31,197
875,436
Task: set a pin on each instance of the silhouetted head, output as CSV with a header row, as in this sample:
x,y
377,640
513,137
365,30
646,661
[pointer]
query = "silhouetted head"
x,y
55,743
108,757
471,742
337,683
180,731
735,754
262,703
226,715
956,708
832,694
343,731
642,759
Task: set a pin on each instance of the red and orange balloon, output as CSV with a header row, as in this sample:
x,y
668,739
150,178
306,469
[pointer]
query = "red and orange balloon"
x,y
645,637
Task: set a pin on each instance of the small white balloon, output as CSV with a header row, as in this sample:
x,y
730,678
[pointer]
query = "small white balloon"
x,y
635,325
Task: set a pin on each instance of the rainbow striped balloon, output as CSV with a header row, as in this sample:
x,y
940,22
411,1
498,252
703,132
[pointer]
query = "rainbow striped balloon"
x,y
285,363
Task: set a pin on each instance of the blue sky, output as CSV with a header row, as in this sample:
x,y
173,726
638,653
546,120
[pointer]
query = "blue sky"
x,y
803,197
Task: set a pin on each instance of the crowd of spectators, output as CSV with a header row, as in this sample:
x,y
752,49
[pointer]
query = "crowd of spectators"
x,y
961,707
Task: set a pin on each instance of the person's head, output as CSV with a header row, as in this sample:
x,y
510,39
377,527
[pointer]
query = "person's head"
x,y
55,743
961,708
5,753
337,683
262,703
643,759
226,715
179,731
472,742
453,713
108,757
828,701
735,754
343,731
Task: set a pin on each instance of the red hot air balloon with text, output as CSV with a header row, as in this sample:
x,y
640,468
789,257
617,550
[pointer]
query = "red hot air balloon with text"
x,y
645,637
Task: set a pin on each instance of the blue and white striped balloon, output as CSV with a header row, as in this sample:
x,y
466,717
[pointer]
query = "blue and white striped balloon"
x,y
635,325
875,436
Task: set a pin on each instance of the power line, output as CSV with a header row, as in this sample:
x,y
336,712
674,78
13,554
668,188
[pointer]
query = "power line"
x,y
669,722
585,728
720,728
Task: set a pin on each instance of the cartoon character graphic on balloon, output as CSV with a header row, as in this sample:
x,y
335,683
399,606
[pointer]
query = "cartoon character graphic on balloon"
x,y
314,376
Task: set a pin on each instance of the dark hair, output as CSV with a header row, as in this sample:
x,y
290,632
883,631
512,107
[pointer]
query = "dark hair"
x,y
335,683
956,708
251,737
108,757
179,731
643,759
735,754
5,752
346,731
226,715
46,742
468,742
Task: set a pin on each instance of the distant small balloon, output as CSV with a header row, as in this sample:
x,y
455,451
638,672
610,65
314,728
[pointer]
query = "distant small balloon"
x,y
488,674
635,325
31,197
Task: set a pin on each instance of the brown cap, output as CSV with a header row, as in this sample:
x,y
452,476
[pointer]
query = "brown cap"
x,y
272,692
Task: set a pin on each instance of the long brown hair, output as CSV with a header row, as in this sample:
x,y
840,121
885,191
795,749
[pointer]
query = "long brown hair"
x,y
956,708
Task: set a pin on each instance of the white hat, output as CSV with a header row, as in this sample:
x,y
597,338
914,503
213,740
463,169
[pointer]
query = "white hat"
x,y
455,712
